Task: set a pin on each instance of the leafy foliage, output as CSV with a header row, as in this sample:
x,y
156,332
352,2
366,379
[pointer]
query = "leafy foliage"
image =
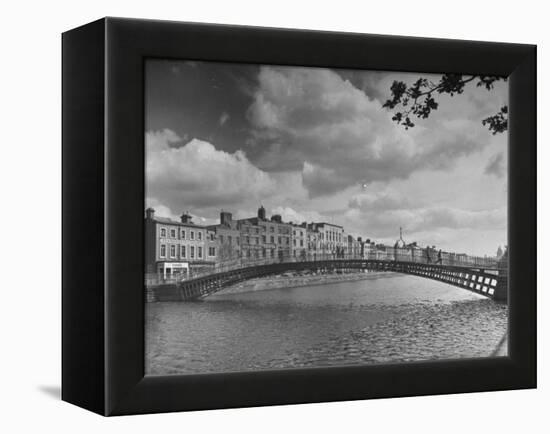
x,y
499,122
418,99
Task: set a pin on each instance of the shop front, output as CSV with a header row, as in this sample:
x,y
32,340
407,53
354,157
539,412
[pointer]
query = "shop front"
x,y
172,271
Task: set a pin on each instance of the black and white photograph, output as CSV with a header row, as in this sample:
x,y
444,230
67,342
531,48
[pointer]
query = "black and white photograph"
x,y
304,217
275,218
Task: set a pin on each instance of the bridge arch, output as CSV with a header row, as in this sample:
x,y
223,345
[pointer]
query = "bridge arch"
x,y
489,282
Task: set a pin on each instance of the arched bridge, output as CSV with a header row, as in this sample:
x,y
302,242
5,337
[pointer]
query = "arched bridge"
x,y
481,276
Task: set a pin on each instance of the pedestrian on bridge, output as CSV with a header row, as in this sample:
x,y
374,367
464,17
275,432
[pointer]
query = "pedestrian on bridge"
x,y
428,258
439,259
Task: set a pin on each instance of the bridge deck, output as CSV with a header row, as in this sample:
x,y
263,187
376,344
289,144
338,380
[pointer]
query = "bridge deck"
x,y
485,280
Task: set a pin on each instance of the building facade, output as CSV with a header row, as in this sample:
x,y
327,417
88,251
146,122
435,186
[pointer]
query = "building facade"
x,y
331,239
264,238
173,249
354,247
299,241
226,238
178,249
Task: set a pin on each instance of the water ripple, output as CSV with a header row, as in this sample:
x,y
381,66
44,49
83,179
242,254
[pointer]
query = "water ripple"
x,y
400,319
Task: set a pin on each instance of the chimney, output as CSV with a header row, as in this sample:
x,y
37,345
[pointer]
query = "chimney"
x,y
226,218
186,218
276,218
150,213
261,213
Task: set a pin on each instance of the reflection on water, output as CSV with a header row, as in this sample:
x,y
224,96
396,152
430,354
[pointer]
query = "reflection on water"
x,y
398,318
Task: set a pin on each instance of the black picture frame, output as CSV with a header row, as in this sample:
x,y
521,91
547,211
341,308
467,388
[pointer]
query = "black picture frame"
x,y
103,203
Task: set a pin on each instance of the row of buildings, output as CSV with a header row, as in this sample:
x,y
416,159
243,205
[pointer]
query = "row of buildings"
x,y
174,248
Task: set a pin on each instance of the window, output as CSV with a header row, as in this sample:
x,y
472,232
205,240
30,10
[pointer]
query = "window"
x,y
192,235
229,239
294,242
192,251
199,234
263,239
163,232
199,251
301,243
183,234
183,253
163,250
271,229
211,251
279,240
272,238
172,251
211,236
172,233
221,239
257,240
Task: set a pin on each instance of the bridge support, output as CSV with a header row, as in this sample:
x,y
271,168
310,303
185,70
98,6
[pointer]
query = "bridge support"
x,y
501,291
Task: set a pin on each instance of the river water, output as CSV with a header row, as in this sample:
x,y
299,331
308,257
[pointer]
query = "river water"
x,y
392,318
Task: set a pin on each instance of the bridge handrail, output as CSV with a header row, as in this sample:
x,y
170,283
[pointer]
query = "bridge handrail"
x,y
391,254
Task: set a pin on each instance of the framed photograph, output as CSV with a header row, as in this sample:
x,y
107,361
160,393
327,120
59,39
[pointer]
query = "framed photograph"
x,y
258,216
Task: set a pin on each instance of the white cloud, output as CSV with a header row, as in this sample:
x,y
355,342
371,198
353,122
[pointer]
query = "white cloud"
x,y
379,200
161,210
314,121
289,214
197,175
384,222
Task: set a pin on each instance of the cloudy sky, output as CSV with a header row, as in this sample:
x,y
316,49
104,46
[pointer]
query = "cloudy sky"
x,y
315,144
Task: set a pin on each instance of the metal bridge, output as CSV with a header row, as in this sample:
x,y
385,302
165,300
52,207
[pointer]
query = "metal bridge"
x,y
483,276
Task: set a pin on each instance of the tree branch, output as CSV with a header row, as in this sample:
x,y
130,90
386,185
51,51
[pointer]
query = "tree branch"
x,y
418,99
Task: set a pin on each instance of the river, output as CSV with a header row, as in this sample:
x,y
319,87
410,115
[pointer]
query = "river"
x,y
392,318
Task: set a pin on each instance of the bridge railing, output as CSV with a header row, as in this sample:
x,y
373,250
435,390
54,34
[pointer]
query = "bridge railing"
x,y
422,256
432,256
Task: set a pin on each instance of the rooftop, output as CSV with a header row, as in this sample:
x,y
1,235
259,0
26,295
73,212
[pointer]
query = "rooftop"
x,y
328,224
169,221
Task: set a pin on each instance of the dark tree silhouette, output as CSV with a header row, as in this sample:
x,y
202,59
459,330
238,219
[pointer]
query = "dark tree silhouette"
x,y
418,99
